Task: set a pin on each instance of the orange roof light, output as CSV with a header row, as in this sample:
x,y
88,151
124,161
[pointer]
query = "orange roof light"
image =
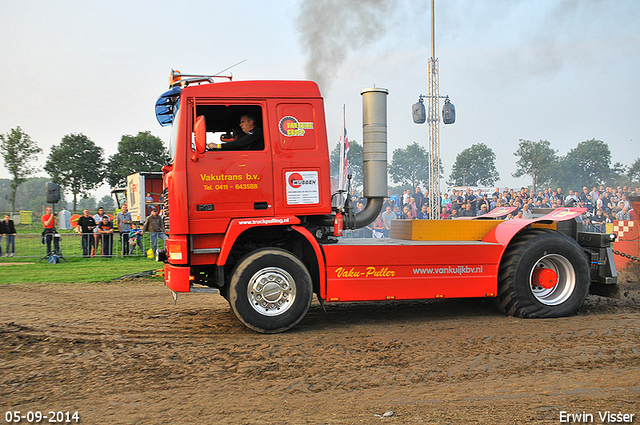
x,y
175,77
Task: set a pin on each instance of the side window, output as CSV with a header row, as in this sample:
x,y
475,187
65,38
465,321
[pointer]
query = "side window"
x,y
233,127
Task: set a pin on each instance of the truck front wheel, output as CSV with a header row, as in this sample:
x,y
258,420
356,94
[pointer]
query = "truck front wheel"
x,y
270,290
543,273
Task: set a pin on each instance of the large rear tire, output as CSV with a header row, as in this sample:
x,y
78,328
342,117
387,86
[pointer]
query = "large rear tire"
x,y
543,273
270,290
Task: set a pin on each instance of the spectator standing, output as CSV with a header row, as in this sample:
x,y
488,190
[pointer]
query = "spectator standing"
x,y
395,199
609,217
418,197
10,232
594,196
3,232
560,196
493,203
413,207
105,231
625,202
423,214
387,216
406,213
86,225
573,197
135,238
598,221
446,203
388,202
456,200
49,233
64,219
466,212
378,228
123,218
479,200
405,197
97,237
623,214
148,200
154,224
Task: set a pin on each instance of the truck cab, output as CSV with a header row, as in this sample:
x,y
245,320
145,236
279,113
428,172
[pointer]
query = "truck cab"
x,y
213,194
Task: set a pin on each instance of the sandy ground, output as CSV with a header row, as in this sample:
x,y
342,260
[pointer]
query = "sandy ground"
x,y
122,353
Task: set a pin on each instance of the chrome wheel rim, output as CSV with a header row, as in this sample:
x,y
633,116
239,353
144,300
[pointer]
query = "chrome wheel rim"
x,y
271,291
565,282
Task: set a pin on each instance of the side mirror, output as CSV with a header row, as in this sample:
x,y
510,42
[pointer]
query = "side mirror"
x,y
200,131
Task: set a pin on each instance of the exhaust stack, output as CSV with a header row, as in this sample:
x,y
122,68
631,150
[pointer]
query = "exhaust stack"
x,y
374,163
374,144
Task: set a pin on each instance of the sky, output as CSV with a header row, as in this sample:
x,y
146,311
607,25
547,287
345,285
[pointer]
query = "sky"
x,y
565,71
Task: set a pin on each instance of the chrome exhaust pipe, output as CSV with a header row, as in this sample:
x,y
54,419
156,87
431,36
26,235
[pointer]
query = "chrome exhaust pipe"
x,y
374,161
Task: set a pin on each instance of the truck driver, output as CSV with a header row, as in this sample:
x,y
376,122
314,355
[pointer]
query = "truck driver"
x,y
252,139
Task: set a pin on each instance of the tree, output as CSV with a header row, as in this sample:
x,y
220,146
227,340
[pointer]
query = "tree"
x,y
77,165
537,159
634,171
29,192
618,175
474,166
588,164
143,152
354,161
17,151
107,203
88,202
410,165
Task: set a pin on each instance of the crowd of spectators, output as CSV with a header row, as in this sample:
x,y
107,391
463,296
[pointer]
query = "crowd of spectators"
x,y
99,232
603,205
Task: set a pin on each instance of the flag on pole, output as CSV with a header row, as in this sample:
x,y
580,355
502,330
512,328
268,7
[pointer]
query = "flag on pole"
x,y
344,150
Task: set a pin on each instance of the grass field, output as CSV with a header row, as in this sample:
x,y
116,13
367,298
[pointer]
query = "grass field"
x,y
21,270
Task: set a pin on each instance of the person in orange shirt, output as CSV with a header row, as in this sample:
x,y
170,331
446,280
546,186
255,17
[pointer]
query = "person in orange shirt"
x,y
49,223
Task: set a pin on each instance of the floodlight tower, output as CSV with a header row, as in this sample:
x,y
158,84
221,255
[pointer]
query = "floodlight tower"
x,y
433,118
434,124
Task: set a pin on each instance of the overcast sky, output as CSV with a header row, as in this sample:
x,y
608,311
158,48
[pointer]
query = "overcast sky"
x,y
561,70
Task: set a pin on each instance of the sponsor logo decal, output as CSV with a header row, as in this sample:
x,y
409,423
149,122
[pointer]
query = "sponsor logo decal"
x,y
290,126
501,210
296,180
367,272
263,221
563,213
302,187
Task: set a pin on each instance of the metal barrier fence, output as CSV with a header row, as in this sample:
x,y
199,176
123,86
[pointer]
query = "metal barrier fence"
x,y
75,245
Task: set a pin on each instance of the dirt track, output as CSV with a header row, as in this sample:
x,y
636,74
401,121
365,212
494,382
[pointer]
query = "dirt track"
x,y
122,353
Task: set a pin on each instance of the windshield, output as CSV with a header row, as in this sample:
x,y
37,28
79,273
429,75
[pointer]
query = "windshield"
x,y
121,197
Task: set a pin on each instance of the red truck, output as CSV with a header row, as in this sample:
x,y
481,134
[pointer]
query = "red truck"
x,y
256,223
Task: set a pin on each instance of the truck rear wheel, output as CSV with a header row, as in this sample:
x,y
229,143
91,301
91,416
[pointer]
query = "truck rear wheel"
x,y
270,290
542,274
